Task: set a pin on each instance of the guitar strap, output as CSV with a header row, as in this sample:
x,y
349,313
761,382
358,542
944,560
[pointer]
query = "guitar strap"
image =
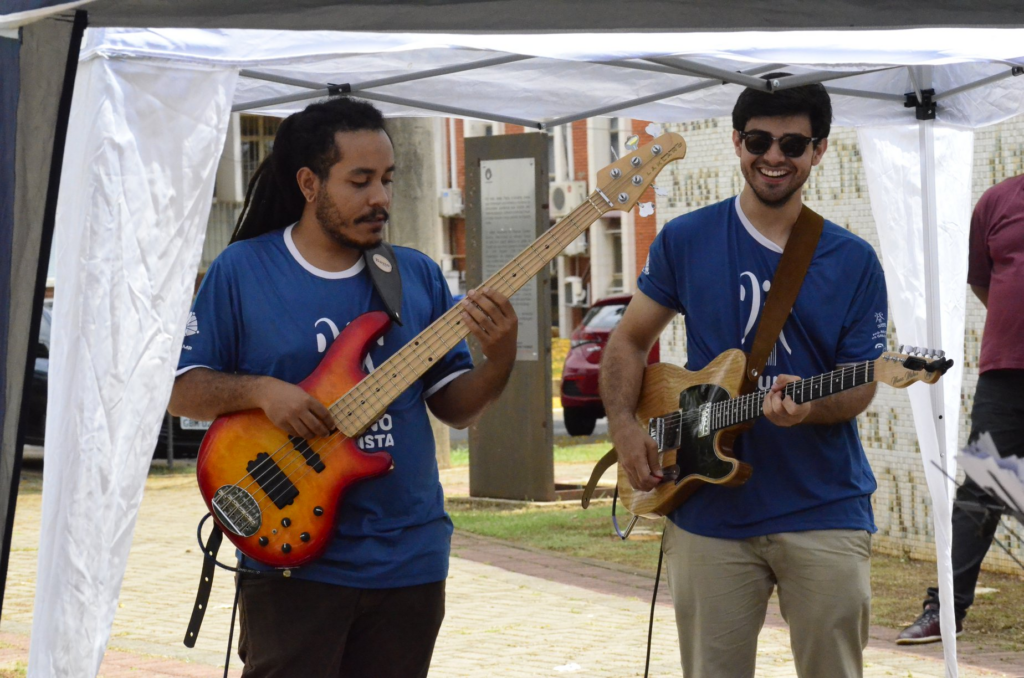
x,y
387,279
786,283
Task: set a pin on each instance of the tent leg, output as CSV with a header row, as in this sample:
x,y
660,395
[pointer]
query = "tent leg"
x,y
49,221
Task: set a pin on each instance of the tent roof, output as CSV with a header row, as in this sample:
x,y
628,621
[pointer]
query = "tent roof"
x,y
546,80
544,15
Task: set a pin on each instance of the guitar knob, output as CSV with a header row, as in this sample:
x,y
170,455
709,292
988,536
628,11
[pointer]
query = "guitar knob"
x,y
264,541
318,511
287,548
286,522
304,536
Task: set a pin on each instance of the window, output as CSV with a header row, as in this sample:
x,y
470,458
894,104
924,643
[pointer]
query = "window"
x,y
257,133
614,235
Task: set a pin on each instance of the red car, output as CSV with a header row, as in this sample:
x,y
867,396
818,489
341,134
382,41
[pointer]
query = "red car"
x,y
581,402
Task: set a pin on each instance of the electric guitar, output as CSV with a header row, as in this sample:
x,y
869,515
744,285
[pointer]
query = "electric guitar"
x,y
695,417
276,496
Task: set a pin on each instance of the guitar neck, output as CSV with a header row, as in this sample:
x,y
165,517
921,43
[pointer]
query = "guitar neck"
x,y
747,408
364,404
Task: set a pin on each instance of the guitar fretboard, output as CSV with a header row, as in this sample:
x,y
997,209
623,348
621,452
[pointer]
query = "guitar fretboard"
x,y
748,407
361,406
668,430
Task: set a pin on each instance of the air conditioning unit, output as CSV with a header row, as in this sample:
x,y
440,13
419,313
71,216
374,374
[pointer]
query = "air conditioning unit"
x,y
565,196
577,246
575,294
450,202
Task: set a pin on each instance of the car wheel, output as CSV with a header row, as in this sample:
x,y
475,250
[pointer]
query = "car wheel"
x,y
579,422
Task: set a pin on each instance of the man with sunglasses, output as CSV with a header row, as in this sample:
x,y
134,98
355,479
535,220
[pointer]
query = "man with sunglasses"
x,y
803,520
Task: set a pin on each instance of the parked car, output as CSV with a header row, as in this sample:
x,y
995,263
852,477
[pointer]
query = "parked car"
x,y
187,433
581,402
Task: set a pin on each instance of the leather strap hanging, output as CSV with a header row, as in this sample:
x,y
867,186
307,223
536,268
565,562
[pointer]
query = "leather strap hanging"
x,y
387,279
786,283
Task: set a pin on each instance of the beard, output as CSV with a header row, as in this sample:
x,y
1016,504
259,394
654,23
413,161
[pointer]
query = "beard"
x,y
770,198
338,228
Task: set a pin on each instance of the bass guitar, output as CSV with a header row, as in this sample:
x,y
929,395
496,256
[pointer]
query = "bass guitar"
x,y
695,417
276,496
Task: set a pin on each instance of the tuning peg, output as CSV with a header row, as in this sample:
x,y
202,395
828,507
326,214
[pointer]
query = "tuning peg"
x,y
942,354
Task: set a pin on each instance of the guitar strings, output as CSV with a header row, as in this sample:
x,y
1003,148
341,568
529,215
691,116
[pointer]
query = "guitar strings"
x,y
724,410
269,464
284,473
532,252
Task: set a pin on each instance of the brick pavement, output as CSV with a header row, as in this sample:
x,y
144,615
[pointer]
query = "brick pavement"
x,y
510,611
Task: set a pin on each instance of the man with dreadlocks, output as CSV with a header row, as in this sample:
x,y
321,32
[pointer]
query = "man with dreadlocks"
x,y
266,312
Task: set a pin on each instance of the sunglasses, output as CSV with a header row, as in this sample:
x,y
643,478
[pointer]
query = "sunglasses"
x,y
791,145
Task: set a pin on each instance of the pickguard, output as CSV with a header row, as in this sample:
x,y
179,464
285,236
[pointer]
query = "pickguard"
x,y
696,455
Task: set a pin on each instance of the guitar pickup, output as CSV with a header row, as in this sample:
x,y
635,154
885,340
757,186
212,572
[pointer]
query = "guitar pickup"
x,y
656,429
312,458
268,475
704,421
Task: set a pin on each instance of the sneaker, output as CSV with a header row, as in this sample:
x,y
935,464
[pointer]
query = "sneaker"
x,y
925,628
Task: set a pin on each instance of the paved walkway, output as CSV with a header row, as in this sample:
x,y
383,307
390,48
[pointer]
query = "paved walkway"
x,y
511,611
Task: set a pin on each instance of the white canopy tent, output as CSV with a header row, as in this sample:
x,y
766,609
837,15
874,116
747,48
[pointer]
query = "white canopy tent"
x,y
148,120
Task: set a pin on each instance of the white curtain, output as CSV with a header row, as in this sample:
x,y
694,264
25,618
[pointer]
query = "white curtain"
x,y
919,181
138,179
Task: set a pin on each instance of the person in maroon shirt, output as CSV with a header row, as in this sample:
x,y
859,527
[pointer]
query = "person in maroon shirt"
x,y
996,275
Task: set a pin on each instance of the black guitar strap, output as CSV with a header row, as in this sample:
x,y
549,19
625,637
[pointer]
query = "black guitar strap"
x,y
205,586
387,279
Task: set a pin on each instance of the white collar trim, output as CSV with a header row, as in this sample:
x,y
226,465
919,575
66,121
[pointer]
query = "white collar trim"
x,y
754,233
319,272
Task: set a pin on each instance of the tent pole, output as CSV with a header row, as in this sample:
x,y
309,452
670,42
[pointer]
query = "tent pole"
x,y
388,99
623,105
695,68
865,94
394,80
1013,72
818,77
81,21
657,68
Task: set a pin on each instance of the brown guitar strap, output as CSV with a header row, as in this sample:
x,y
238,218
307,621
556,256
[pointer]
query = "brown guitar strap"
x,y
789,276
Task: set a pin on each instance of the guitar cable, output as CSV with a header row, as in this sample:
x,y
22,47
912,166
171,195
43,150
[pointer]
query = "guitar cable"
x,y
209,550
657,578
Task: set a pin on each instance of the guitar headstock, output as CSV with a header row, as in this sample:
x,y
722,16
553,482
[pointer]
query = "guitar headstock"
x,y
621,183
911,364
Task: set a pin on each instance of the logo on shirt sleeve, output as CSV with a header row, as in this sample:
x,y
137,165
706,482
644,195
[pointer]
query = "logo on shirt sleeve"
x,y
191,325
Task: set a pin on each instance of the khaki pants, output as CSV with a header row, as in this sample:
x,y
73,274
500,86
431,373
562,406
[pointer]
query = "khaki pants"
x,y
720,589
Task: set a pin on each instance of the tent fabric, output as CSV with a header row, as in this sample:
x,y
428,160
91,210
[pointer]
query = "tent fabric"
x,y
40,68
503,16
135,195
150,113
553,83
916,173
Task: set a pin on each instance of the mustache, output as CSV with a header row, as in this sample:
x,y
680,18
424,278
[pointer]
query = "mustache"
x,y
380,214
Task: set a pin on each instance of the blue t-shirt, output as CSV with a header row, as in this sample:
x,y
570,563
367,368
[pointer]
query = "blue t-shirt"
x,y
715,268
263,309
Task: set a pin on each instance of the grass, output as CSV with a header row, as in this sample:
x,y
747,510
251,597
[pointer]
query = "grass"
x,y
898,585
564,454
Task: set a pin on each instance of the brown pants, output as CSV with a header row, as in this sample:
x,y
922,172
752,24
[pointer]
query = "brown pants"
x,y
720,589
291,627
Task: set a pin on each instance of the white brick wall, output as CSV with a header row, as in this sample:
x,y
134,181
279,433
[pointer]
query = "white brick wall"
x,y
838,190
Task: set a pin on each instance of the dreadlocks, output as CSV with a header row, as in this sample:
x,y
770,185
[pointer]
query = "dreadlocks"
x,y
304,139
